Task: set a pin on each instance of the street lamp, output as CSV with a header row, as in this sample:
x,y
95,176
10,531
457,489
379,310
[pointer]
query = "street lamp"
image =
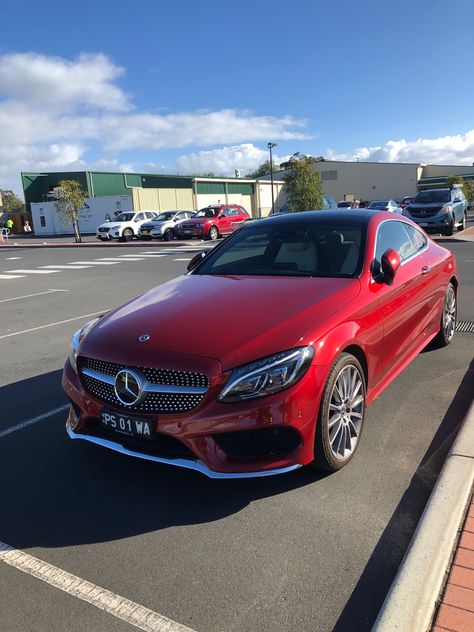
x,y
270,147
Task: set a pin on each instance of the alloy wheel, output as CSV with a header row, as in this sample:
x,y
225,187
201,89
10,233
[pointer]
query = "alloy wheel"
x,y
345,412
449,314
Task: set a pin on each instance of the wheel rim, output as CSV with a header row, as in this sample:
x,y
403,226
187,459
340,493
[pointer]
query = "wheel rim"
x,y
346,412
449,314
213,233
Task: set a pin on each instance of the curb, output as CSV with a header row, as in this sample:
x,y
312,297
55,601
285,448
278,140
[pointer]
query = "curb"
x,y
413,596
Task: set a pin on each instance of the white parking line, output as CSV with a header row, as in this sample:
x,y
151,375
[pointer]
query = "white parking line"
x,y
12,258
120,260
66,267
8,277
31,271
141,255
94,263
33,420
115,605
17,298
60,322
187,259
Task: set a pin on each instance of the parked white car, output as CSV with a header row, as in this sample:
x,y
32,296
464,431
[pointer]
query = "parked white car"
x,y
125,226
165,225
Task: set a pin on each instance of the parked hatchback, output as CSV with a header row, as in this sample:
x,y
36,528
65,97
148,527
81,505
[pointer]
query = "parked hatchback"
x,y
439,210
213,221
385,205
165,225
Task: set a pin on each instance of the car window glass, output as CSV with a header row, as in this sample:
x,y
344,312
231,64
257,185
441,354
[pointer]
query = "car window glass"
x,y
139,217
323,249
393,235
418,239
234,212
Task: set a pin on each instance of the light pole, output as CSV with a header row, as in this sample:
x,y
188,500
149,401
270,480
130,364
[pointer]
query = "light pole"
x,y
270,147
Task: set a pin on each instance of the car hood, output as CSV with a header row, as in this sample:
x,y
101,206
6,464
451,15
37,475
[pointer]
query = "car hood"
x,y
111,224
433,206
231,319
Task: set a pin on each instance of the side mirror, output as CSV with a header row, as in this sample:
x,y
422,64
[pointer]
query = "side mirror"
x,y
390,265
195,260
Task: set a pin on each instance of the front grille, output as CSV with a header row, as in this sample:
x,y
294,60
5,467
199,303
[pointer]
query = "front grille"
x,y
258,443
154,402
161,445
104,230
423,212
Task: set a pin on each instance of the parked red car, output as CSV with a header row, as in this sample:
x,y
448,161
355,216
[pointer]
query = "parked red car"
x,y
213,221
264,357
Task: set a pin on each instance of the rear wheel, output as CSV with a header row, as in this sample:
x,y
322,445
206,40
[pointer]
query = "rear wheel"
x,y
448,318
463,224
341,415
127,234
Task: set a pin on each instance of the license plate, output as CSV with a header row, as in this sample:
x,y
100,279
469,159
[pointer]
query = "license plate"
x,y
145,231
187,232
126,425
423,224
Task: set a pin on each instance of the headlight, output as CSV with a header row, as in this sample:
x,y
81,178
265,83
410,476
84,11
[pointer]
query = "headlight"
x,y
78,338
268,375
446,209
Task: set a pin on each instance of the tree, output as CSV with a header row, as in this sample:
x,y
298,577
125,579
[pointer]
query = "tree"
x,y
452,180
304,191
468,190
313,159
11,203
71,199
263,169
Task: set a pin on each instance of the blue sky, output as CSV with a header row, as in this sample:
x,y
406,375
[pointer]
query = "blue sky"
x,y
195,87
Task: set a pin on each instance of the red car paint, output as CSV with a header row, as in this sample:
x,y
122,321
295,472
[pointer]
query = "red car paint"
x,y
212,324
225,219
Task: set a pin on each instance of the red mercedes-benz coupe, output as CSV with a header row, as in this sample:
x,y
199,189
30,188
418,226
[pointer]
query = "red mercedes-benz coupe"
x,y
264,357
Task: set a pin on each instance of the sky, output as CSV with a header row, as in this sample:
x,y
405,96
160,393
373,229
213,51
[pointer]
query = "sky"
x,y
196,87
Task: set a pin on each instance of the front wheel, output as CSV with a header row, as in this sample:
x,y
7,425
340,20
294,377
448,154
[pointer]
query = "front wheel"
x,y
169,235
450,230
213,233
448,319
341,415
127,234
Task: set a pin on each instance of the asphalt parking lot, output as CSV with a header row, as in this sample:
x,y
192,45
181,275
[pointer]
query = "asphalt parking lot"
x,y
299,551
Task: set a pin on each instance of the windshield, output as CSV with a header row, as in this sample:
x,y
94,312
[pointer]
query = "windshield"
x,y
300,248
379,204
430,197
207,212
164,216
124,217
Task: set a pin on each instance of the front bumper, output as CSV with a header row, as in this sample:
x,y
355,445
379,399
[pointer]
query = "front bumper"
x,y
291,413
435,224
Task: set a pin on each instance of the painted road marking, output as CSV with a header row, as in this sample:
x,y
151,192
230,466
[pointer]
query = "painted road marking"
x,y
142,256
60,322
104,599
66,267
120,260
32,271
8,277
12,258
33,420
17,298
94,263
187,259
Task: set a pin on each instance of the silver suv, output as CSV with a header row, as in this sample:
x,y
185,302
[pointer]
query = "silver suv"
x,y
164,225
438,210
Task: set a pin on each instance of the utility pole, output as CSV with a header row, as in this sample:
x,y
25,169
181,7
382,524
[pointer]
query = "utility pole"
x,y
270,147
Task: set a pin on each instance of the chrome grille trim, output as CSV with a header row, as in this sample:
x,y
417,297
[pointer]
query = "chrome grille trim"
x,y
148,387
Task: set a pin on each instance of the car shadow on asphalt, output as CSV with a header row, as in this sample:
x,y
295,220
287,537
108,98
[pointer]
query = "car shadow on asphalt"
x,y
367,598
59,493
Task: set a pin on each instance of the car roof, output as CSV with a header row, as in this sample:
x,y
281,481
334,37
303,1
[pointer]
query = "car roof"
x,y
362,215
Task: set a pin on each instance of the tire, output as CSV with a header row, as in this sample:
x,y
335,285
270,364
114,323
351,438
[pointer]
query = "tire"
x,y
340,422
450,230
463,224
213,233
168,234
127,234
448,319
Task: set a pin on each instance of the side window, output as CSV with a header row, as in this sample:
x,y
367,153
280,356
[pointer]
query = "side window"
x,y
417,238
139,217
393,235
233,212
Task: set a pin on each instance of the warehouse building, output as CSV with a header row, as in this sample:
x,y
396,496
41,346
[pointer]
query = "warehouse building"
x,y
111,192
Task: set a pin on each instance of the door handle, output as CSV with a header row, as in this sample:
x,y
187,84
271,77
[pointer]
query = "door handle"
x,y
425,269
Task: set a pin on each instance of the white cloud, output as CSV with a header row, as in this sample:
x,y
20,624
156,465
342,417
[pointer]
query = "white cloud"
x,y
41,80
446,150
225,160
